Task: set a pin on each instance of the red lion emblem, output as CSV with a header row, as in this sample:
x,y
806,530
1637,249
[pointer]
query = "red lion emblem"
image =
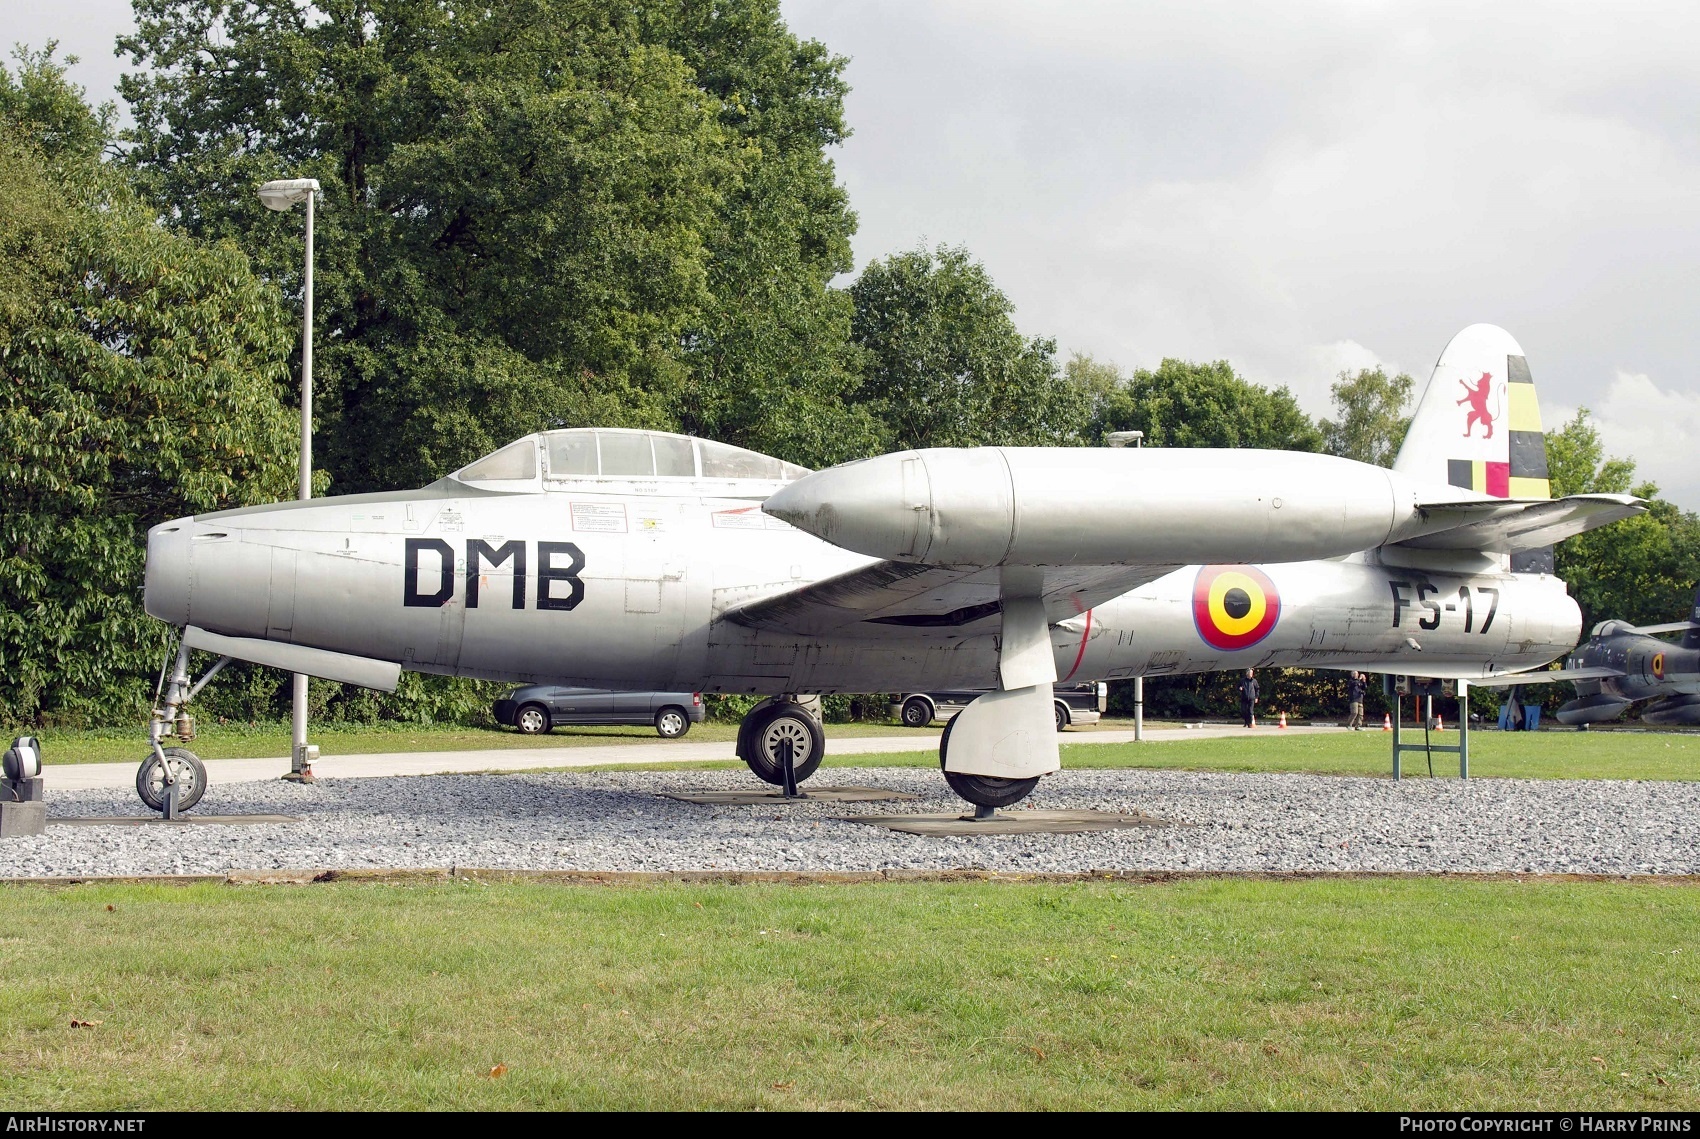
x,y
1477,398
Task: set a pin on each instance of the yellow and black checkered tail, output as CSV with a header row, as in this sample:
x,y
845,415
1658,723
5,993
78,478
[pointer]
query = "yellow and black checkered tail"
x,y
1478,426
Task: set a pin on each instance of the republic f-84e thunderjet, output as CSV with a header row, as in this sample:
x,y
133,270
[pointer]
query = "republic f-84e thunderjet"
x,y
641,559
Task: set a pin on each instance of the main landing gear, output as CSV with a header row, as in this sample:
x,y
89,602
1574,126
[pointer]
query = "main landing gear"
x,y
173,779
782,742
994,751
1009,732
986,792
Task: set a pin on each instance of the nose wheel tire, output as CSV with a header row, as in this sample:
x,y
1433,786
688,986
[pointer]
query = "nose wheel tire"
x,y
917,712
777,725
983,790
533,719
187,771
671,723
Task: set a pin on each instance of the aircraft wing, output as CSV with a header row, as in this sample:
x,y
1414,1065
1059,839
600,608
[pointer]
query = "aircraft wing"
x,y
1547,677
915,599
1667,627
1507,525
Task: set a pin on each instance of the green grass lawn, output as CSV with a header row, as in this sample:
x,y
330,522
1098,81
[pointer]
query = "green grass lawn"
x,y
1520,755
1531,755
1353,993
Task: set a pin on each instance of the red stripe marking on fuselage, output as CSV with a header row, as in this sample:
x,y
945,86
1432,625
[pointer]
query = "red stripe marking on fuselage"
x,y
1081,655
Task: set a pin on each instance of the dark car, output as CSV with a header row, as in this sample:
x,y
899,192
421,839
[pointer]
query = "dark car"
x,y
539,707
1074,704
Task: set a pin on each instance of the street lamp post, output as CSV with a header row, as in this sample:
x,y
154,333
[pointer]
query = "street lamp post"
x,y
282,195
1122,439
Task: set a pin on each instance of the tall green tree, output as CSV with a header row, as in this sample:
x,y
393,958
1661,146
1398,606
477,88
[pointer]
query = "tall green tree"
x,y
1095,379
140,373
768,361
945,365
1371,412
1643,569
1182,404
538,213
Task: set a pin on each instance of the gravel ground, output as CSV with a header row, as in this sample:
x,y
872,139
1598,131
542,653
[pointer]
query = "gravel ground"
x,y
616,821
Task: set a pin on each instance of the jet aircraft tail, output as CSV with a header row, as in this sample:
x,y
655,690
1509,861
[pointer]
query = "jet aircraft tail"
x,y
1478,426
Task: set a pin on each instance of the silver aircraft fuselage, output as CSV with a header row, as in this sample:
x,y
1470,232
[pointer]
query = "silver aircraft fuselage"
x,y
626,589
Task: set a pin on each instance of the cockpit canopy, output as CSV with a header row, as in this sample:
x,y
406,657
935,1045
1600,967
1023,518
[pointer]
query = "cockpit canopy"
x,y
604,455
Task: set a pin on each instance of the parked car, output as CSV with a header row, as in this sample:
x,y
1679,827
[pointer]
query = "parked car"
x,y
538,707
1075,704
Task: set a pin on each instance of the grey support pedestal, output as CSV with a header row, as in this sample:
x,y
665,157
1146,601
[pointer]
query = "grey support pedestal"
x,y
22,818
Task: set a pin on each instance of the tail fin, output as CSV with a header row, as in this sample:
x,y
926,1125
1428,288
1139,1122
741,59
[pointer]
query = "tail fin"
x,y
1478,426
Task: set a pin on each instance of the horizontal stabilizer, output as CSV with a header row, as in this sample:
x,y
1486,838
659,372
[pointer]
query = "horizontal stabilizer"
x,y
1547,677
341,667
1503,525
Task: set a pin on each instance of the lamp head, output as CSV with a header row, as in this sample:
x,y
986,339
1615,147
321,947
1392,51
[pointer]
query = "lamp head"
x,y
282,193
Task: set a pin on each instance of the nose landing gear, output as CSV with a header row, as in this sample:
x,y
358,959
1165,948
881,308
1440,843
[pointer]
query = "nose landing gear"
x,y
173,779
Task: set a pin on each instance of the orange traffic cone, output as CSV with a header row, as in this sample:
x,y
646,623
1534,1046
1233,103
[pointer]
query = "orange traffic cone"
x,y
1387,721
1283,724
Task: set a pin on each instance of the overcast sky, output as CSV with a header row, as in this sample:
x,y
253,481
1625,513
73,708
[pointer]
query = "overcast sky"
x,y
1296,188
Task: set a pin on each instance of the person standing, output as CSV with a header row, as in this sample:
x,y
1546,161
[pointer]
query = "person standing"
x,y
1248,699
1355,700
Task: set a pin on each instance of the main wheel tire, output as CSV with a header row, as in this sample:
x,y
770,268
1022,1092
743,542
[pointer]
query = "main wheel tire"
x,y
186,768
917,712
671,723
779,723
532,720
983,790
1062,715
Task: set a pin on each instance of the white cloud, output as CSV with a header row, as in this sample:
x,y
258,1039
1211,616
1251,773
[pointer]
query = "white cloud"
x,y
1262,183
1311,384
1655,426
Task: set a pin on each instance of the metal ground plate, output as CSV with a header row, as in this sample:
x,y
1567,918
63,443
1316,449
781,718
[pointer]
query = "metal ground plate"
x,y
1010,822
769,798
148,820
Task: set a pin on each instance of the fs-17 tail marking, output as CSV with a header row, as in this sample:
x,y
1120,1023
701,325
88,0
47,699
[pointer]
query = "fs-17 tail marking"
x,y
1427,591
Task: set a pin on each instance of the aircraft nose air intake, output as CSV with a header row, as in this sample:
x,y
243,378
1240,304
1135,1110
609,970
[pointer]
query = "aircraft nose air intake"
x,y
165,593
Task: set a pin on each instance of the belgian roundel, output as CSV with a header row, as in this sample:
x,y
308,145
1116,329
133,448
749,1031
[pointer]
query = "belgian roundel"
x,y
1234,607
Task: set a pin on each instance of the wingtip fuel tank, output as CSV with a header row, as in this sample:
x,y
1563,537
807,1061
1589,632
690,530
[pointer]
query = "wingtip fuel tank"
x,y
992,506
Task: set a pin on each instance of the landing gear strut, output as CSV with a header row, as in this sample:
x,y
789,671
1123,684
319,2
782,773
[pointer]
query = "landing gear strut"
x,y
782,742
1006,739
173,779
